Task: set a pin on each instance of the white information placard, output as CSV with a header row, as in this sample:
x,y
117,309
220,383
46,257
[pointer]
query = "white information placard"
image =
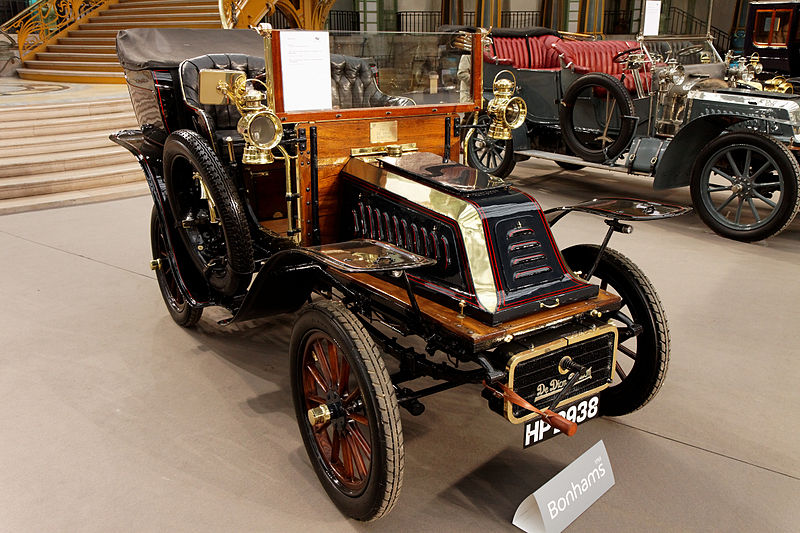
x,y
652,17
306,69
561,500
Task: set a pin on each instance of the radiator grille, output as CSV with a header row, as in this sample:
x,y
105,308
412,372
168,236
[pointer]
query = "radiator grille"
x,y
537,379
529,260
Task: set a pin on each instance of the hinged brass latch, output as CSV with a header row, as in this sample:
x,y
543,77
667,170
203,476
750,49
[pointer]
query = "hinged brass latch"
x,y
382,150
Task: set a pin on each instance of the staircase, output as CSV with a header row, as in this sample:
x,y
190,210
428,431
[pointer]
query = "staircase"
x,y
56,155
87,54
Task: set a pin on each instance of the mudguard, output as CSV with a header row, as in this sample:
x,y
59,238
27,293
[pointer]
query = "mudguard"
x,y
674,168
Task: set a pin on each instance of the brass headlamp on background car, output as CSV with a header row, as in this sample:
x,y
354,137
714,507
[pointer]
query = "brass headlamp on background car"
x,y
506,110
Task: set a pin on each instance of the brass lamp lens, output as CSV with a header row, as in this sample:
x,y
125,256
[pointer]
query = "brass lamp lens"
x,y
515,112
262,129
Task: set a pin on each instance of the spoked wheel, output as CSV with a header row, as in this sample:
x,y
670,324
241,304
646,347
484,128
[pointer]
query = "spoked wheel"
x,y
181,311
208,212
643,350
347,411
745,186
489,155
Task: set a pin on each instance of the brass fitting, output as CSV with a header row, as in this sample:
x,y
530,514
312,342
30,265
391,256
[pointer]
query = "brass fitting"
x,y
319,415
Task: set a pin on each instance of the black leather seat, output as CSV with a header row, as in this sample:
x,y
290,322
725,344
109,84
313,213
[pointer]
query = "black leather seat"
x,y
353,85
216,121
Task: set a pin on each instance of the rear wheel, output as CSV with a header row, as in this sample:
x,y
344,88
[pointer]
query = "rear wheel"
x,y
493,156
745,186
347,411
208,213
643,350
181,311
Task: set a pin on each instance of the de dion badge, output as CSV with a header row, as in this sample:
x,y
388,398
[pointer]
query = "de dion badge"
x,y
561,500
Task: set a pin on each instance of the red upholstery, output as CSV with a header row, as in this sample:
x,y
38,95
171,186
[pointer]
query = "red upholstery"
x,y
596,56
543,55
513,48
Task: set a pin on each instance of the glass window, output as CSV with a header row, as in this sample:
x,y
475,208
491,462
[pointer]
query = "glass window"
x,y
379,69
780,26
762,26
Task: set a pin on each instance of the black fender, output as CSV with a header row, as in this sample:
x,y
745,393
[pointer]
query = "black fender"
x,y
192,286
674,168
520,139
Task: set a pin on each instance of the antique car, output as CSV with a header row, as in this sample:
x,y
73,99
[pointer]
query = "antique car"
x,y
669,108
773,32
285,179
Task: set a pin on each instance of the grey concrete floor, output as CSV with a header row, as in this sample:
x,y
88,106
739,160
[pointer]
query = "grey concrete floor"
x,y
115,419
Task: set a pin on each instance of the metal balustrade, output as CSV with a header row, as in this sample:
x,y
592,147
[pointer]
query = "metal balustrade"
x,y
679,22
45,19
428,21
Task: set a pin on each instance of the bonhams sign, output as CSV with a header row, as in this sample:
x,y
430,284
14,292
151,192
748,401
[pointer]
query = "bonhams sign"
x,y
562,499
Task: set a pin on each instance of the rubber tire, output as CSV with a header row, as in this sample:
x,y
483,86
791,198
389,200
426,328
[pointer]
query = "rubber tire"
x,y
569,166
507,161
565,119
790,200
652,344
383,488
179,309
188,145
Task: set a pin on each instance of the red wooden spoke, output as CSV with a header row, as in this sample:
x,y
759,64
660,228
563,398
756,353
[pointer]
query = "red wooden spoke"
x,y
360,440
317,377
335,446
350,398
322,427
344,376
315,399
319,352
333,365
324,444
347,460
361,419
359,461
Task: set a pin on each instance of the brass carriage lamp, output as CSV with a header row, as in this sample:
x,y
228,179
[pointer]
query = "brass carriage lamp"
x,y
259,125
506,110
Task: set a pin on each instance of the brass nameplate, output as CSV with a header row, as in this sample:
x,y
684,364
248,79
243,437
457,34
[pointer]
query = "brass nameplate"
x,y
383,132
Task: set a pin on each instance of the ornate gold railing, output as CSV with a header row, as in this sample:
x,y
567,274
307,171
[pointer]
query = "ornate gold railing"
x,y
36,25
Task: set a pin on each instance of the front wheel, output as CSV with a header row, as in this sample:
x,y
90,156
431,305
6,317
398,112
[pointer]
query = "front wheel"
x,y
347,411
493,156
643,349
745,186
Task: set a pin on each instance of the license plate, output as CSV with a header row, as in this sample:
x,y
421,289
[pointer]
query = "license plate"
x,y
537,430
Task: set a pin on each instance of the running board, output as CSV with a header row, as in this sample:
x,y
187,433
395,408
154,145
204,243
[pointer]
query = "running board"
x,y
571,159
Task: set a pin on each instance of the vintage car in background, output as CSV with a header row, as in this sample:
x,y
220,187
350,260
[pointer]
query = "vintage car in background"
x,y
285,179
665,107
773,32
